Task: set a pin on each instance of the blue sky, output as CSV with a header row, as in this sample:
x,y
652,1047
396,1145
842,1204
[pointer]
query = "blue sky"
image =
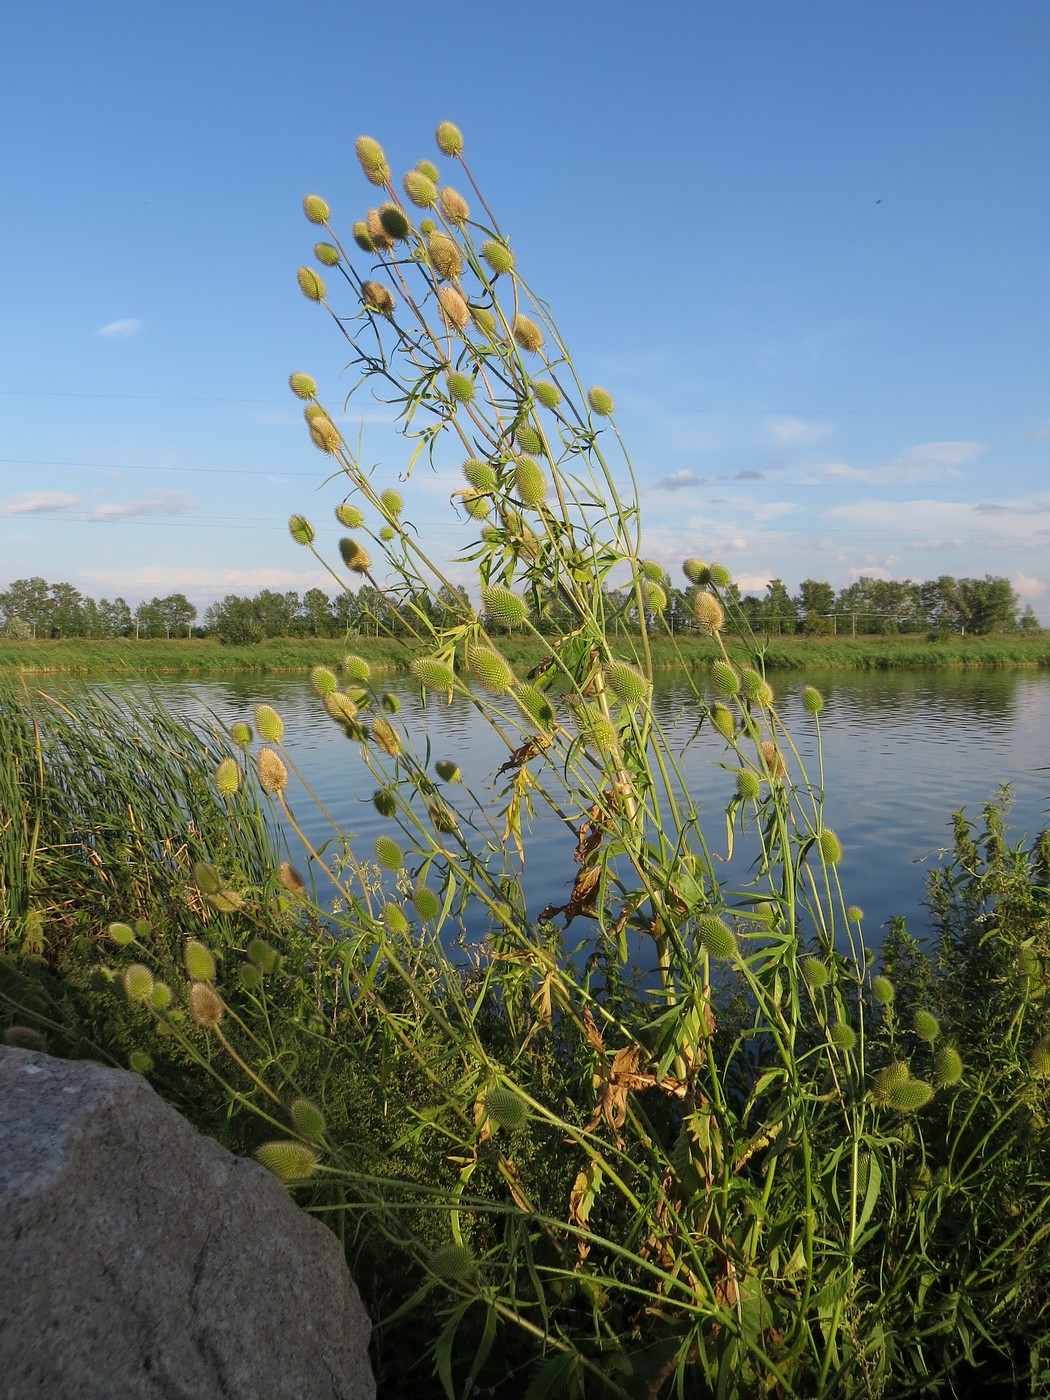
x,y
806,245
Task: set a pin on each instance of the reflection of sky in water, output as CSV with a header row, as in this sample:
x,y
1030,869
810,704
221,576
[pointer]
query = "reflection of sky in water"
x,y
902,752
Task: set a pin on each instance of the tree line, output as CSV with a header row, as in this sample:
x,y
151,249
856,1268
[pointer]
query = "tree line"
x,y
34,608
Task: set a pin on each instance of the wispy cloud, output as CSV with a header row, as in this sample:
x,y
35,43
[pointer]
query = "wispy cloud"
x,y
928,461
750,475
38,503
1027,587
937,524
797,432
120,330
680,481
158,503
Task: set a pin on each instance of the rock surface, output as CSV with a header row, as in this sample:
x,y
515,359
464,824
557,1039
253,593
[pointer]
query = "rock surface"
x,y
141,1259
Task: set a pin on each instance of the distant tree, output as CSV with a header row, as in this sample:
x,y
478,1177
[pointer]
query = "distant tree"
x,y
779,614
1028,622
816,602
316,617
177,612
29,599
988,604
114,618
16,629
276,612
234,621
67,611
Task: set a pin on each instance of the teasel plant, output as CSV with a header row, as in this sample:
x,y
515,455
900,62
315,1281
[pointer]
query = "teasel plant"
x,y
668,1117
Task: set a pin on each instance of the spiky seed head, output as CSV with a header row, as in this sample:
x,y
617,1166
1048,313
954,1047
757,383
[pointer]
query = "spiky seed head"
x,y
445,257
426,903
453,307
842,1035
720,576
498,256
448,771
326,254
432,674
311,284
484,320
160,999
378,234
449,139
455,207
312,412
477,504
535,706
349,516
386,736
883,990
308,1119
198,961
206,1006
709,613
506,1109
138,982
725,678
754,687
323,680
891,1078
815,973
289,1160
1041,1058
452,1263
388,853
384,801
227,777
697,571
527,333
303,386
926,1025
300,529
340,707
392,503
395,222
489,669
426,227
716,937
325,435
24,1038
947,1067
598,728
481,475
362,237
626,682
206,877
262,955
600,400
269,724
855,914
226,901
427,168
653,596
549,395
316,209
650,569
723,721
373,160
504,606
421,190
812,700
356,668
356,558
748,784
376,297
241,734
529,440
395,921
249,976
122,934
391,703
460,387
774,759
273,775
530,483
290,878
910,1097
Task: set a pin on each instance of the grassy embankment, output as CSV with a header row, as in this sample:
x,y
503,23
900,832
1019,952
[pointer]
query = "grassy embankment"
x,y
76,656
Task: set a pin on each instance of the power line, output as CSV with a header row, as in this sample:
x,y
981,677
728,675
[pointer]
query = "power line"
x,y
138,467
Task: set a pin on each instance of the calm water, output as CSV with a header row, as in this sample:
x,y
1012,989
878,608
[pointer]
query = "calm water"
x,y
902,752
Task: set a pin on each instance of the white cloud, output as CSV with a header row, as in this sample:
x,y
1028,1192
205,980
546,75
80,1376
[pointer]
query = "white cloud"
x,y
797,432
933,524
929,461
678,481
159,503
120,330
38,503
754,582
1027,587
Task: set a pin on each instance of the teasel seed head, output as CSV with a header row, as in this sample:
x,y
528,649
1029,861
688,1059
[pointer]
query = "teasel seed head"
x,y
842,1035
122,934
697,571
316,209
386,737
716,937
241,734
387,533
376,297
269,724
198,961
290,879
653,596
947,1067
303,386
812,700
455,207
429,169
527,333
460,387
484,321
228,777
349,516
597,728
312,412
160,997
650,569
326,254
308,1119
373,160
311,284
529,440
549,395
855,914
530,483
497,255
725,678
206,1006
830,847
273,775
504,606
249,976
910,1097
432,674
362,237
421,190
448,771
138,982
356,668
356,558
425,902
381,240
748,784
757,690
323,681
601,401
709,613
926,1026
1041,1058
289,1160
774,761
815,973
300,529
890,1079
388,853
535,706
480,475
722,719
341,708
325,435
626,682
394,920
506,1109
453,307
384,801
883,990
489,669
445,257
392,502
395,222
449,139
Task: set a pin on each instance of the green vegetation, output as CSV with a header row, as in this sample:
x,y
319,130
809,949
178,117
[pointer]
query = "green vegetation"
x,y
667,1138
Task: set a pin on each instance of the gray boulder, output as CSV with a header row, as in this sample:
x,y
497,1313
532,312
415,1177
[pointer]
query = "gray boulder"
x,y
143,1260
